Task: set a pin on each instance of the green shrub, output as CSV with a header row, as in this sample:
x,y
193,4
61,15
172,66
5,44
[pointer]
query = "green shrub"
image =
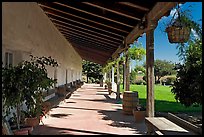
x,y
139,82
168,81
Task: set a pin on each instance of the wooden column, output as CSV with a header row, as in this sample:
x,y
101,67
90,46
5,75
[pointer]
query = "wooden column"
x,y
127,73
118,82
124,75
150,72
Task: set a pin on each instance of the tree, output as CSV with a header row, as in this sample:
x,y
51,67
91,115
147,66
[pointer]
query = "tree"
x,y
163,68
187,87
140,68
92,70
133,76
136,52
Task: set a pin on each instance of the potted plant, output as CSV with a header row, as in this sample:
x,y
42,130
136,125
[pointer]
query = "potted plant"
x,y
179,27
25,82
139,113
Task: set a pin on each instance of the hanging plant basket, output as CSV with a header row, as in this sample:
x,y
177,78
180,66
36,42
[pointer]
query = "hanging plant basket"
x,y
177,34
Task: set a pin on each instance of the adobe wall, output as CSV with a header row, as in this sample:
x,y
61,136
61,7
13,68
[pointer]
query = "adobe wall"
x,y
27,30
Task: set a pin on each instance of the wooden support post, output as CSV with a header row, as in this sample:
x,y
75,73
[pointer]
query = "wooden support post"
x,y
118,82
150,72
123,75
127,73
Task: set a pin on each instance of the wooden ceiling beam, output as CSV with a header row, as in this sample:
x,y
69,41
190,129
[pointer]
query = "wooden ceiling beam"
x,y
91,55
54,20
112,10
66,31
76,37
102,24
95,15
81,32
134,6
83,24
89,44
103,53
85,57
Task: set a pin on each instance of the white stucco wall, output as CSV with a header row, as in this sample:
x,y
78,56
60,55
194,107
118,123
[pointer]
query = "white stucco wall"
x,y
27,30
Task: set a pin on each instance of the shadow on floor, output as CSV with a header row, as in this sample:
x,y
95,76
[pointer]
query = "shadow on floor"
x,y
60,115
121,120
48,130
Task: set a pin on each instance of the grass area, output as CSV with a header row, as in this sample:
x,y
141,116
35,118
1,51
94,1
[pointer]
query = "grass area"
x,y
164,99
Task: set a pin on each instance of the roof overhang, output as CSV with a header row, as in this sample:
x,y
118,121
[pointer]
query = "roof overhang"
x,y
98,30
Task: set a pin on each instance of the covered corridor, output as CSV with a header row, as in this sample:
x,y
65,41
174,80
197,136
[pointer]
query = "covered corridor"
x,y
89,111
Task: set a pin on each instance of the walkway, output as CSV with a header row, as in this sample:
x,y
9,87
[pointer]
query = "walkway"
x,y
89,111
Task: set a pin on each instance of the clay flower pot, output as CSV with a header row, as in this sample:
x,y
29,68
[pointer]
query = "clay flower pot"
x,y
32,121
139,116
139,113
23,131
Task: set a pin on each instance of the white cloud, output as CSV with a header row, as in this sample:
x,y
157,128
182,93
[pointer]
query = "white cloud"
x,y
173,11
194,33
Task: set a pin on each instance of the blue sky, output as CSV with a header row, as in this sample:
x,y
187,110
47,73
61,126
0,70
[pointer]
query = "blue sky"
x,y
162,48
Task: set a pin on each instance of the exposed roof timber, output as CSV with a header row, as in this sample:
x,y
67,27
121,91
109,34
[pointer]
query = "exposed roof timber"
x,y
94,57
89,44
79,42
54,20
76,37
68,6
82,24
102,24
92,54
81,47
66,31
160,9
112,10
82,32
134,6
85,57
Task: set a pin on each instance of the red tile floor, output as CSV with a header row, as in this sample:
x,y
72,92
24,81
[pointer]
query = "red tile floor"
x,y
89,111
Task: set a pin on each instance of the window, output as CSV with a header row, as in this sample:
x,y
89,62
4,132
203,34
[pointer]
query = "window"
x,y
8,59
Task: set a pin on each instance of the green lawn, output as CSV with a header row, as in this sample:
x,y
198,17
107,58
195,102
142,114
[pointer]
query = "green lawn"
x,y
164,99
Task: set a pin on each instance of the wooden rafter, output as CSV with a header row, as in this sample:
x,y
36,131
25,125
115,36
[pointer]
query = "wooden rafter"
x,y
65,23
92,50
86,34
134,6
88,54
98,23
79,38
66,31
95,15
104,27
112,10
90,44
83,24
